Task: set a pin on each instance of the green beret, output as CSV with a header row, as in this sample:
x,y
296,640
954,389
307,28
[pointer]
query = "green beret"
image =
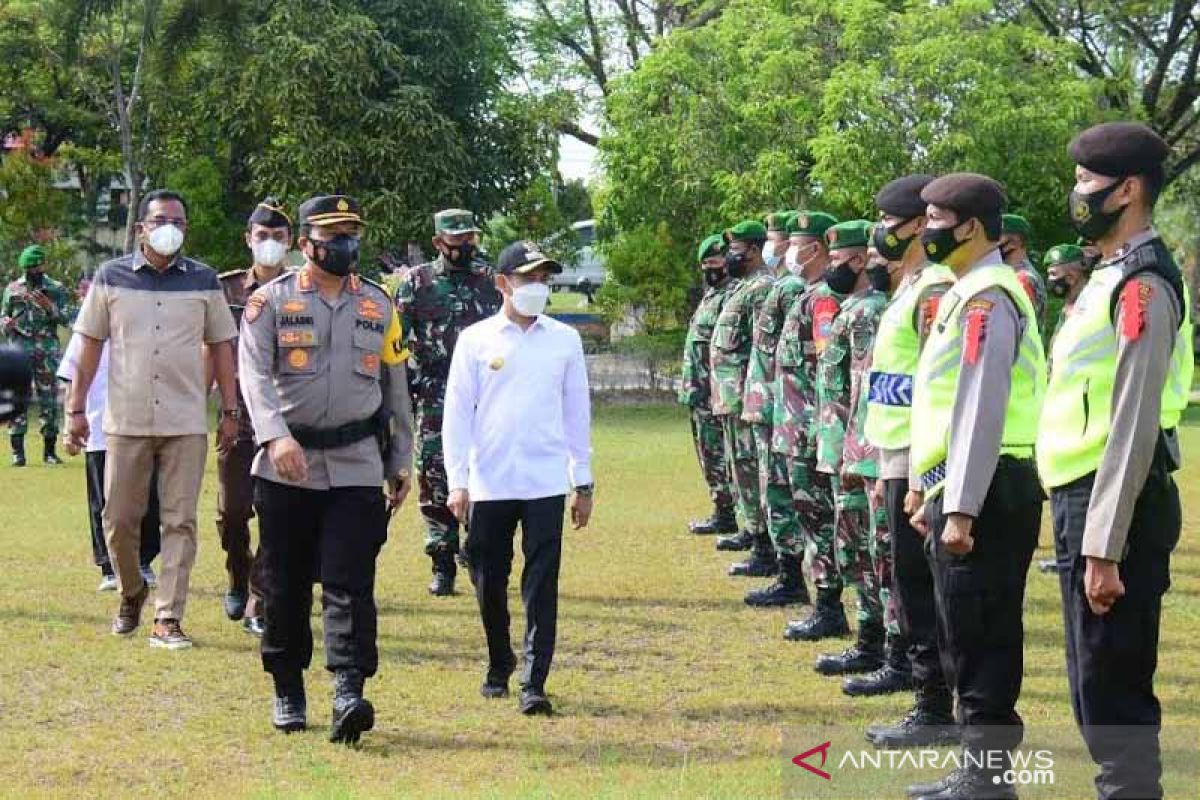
x,y
1064,254
1117,149
31,256
1015,223
967,194
778,220
811,223
851,233
750,230
710,247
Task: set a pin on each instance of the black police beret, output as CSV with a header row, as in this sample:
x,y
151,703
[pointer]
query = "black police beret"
x,y
902,197
271,214
1117,149
968,194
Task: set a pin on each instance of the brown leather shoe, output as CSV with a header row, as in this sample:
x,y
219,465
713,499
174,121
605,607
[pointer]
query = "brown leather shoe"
x,y
129,614
168,634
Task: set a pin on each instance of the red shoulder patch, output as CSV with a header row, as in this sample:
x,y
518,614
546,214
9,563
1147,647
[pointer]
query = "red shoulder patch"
x,y
824,310
977,313
1027,284
1135,299
929,310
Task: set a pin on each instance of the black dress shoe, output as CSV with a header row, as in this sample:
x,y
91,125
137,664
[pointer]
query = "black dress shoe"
x,y
290,713
739,541
235,604
255,626
534,702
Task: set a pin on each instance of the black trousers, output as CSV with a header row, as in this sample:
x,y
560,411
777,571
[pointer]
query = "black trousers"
x,y
1111,659
151,529
912,580
332,536
979,605
490,550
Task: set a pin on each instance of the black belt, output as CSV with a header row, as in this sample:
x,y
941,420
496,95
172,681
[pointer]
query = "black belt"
x,y
341,436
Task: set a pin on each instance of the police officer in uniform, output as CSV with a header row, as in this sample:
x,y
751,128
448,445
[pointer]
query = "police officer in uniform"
x,y
322,367
269,237
976,396
1121,370
437,301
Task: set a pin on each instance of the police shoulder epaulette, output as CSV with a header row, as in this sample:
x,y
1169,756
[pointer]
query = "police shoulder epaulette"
x,y
233,273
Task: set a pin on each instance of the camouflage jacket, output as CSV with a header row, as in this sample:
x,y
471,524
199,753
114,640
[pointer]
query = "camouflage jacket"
x,y
696,388
30,317
854,330
732,341
436,303
1035,287
760,375
806,330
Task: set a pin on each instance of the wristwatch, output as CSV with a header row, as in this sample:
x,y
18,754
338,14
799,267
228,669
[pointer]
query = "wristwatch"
x,y
586,490
234,414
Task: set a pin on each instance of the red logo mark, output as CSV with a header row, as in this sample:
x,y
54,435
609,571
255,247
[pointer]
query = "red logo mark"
x,y
823,749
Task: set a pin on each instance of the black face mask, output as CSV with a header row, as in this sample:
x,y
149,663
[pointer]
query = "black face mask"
x,y
337,255
939,243
878,275
1087,218
1059,287
714,277
735,264
35,279
841,278
890,245
459,257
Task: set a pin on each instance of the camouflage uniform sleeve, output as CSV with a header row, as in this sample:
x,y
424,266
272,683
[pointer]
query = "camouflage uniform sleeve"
x,y
64,309
833,395
404,304
760,372
6,310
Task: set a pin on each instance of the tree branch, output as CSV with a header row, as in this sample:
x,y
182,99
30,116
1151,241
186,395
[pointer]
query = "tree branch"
x,y
714,10
566,40
1188,90
573,130
1180,13
634,30
597,43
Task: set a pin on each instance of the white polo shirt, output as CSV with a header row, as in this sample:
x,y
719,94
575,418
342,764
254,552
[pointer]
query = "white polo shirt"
x,y
517,418
97,393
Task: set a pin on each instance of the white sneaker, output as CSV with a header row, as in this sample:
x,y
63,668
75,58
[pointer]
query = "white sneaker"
x,y
149,577
108,583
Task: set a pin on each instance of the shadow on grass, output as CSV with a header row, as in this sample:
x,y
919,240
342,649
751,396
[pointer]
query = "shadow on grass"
x,y
682,604
566,615
101,617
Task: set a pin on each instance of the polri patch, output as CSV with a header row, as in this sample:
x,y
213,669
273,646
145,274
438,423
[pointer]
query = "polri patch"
x,y
254,306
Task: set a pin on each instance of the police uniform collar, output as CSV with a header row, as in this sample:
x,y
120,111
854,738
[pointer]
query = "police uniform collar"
x,y
991,258
1133,243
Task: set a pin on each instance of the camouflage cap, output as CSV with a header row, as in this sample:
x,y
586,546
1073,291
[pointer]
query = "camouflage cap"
x,y
811,223
712,246
1065,254
750,230
851,233
454,221
31,256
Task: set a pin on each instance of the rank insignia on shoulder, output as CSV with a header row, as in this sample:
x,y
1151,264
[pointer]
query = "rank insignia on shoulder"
x,y
254,307
977,312
1135,299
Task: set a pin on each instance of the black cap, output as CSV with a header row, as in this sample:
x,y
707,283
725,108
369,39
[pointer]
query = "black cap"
x,y
329,209
902,197
524,257
1117,149
968,194
270,213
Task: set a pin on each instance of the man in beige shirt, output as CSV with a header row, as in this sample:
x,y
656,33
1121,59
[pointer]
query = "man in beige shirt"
x,y
157,310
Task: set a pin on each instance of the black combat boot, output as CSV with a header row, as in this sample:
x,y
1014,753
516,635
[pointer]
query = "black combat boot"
x,y
723,520
18,450
742,540
894,676
290,712
968,783
863,656
444,570
788,589
928,723
353,715
828,619
48,454
761,563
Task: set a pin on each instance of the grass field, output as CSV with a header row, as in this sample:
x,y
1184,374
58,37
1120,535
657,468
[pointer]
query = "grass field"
x,y
666,684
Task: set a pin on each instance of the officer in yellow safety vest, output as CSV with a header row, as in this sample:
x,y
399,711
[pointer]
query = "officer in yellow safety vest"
x,y
976,398
903,330
1106,448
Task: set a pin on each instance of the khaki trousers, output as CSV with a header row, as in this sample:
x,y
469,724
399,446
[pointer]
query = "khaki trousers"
x,y
129,463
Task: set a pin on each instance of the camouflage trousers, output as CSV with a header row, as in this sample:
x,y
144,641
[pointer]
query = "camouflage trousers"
x,y
881,558
709,439
812,493
441,528
779,506
854,546
45,385
742,456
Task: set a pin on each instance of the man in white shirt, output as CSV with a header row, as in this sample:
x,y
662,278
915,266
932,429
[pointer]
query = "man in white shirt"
x,y
516,436
96,446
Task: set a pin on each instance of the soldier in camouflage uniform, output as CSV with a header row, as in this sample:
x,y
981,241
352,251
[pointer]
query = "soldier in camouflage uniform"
x,y
32,309
1014,247
696,387
436,302
763,376
777,242
732,341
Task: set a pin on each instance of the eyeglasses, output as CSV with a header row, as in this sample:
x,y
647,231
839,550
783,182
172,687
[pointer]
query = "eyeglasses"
x,y
178,222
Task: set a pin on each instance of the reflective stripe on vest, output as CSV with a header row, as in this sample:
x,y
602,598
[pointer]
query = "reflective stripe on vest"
x,y
938,371
894,362
1078,412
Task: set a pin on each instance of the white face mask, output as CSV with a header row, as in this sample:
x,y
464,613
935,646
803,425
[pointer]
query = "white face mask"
x,y
269,252
530,300
165,240
768,254
794,264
